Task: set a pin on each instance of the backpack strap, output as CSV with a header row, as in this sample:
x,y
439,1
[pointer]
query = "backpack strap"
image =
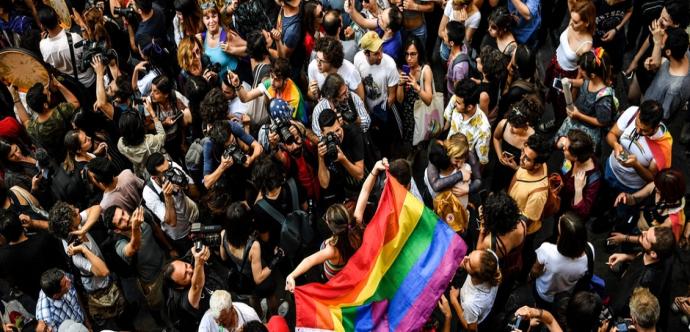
x,y
275,214
149,184
631,119
70,43
293,194
590,262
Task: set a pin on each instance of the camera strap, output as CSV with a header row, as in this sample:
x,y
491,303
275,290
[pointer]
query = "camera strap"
x,y
70,43
149,184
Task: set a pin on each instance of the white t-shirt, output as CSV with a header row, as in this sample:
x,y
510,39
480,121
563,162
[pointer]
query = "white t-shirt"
x,y
347,71
236,107
633,144
470,22
377,79
560,273
186,210
55,51
476,300
245,314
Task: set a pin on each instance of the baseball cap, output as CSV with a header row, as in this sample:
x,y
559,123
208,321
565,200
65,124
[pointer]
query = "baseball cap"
x,y
371,42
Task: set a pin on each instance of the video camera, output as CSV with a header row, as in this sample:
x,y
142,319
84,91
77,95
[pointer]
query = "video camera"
x,y
205,235
92,49
238,157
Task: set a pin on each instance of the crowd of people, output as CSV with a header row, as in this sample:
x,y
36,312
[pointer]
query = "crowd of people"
x,y
193,161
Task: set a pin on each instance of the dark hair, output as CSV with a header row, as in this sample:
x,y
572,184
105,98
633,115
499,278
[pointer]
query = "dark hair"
x,y
267,175
327,118
144,5
36,99
468,90
572,238
238,223
525,62
280,67
214,106
331,86
5,149
489,271
678,10
103,170
124,87
651,113
154,160
598,66
109,215
308,19
132,128
332,50
192,15
48,17
437,155
530,106
494,64
665,240
456,32
501,213
166,86
517,118
331,22
220,132
60,219
503,20
346,233
582,314
676,42
395,18
541,145
401,170
195,90
671,185
254,326
10,225
72,147
51,281
256,45
581,145
421,53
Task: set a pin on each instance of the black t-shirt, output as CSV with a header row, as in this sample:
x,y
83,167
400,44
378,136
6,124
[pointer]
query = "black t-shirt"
x,y
23,263
608,17
637,275
216,276
342,185
154,26
283,203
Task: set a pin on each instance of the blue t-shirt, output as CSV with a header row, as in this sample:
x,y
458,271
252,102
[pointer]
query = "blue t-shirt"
x,y
217,55
525,29
211,160
391,46
292,30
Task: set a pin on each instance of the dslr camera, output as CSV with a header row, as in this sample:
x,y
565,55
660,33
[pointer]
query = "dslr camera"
x,y
176,177
205,235
331,141
348,114
234,152
95,48
282,127
127,12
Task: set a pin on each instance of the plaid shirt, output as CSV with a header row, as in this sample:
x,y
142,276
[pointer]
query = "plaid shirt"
x,y
54,312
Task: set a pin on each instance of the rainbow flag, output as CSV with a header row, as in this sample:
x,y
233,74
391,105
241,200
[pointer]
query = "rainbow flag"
x,y
291,94
661,148
393,282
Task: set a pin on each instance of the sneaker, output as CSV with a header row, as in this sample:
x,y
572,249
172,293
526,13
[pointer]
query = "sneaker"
x,y
283,308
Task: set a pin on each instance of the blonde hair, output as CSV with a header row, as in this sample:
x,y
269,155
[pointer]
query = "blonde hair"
x,y
644,307
185,51
457,146
461,2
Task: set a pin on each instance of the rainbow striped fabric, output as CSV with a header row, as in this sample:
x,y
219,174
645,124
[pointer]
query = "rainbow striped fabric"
x,y
393,282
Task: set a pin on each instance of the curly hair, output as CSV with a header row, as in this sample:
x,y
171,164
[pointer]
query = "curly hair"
x,y
332,50
185,51
60,219
267,174
541,145
214,106
494,64
256,45
531,106
238,223
501,213
503,20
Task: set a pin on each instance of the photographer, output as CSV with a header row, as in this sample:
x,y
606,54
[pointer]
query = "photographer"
x,y
166,196
336,96
341,161
190,281
116,96
225,149
135,144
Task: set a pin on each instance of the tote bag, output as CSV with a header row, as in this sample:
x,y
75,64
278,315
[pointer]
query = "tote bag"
x,y
428,119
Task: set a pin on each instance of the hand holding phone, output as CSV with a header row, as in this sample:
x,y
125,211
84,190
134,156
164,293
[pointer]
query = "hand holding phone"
x,y
406,69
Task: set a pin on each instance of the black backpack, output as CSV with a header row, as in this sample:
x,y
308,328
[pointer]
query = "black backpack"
x,y
296,233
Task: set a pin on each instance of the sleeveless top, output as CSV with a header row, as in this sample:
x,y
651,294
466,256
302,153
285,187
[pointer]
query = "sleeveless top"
x,y
217,55
330,269
567,58
510,262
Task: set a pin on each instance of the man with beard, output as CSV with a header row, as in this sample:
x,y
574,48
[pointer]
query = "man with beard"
x,y
297,151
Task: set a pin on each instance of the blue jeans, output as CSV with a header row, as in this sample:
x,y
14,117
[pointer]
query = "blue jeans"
x,y
419,32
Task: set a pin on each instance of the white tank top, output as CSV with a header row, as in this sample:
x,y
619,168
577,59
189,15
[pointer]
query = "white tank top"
x,y
567,58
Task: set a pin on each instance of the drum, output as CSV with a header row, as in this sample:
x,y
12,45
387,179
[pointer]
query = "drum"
x,y
22,68
63,11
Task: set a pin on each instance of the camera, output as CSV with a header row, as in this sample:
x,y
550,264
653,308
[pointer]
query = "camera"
x,y
331,141
518,323
214,67
127,12
176,176
205,235
282,127
346,112
238,157
92,49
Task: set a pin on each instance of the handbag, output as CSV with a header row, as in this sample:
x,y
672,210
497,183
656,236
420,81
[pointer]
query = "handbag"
x,y
428,119
106,303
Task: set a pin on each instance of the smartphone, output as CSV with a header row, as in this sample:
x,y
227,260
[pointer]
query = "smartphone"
x,y
623,156
177,117
406,69
622,327
557,84
508,155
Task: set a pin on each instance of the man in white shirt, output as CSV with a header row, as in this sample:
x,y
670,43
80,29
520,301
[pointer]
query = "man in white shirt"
x,y
380,78
165,196
55,48
329,60
225,315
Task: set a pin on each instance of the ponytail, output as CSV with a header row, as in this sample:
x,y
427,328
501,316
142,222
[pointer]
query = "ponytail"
x,y
347,234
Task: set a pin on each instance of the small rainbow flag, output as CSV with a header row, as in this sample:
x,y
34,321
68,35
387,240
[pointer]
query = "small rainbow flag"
x,y
393,282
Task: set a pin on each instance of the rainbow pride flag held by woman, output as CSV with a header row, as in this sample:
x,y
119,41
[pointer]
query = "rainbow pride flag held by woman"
x,y
393,282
